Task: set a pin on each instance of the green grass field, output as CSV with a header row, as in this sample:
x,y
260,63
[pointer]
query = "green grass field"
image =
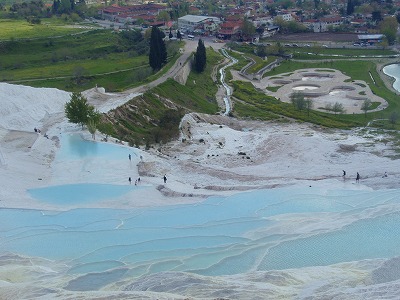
x,y
315,53
21,29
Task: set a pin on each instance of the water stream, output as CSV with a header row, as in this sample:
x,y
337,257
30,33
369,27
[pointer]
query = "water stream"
x,y
227,98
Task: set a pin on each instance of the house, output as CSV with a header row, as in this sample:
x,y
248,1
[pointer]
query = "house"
x,y
287,17
323,24
229,29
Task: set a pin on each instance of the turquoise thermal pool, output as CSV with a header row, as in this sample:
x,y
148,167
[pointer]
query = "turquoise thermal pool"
x,y
393,70
217,237
261,230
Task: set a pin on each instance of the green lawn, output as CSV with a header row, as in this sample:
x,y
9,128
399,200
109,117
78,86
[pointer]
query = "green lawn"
x,y
338,53
260,63
21,29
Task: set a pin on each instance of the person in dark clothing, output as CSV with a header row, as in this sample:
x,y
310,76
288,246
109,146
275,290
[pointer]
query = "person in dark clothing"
x,y
130,180
165,178
358,177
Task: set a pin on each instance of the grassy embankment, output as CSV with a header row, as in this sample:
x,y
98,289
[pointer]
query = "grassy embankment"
x,y
148,118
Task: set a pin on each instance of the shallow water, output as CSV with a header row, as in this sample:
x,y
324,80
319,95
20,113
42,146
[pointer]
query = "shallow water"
x,y
80,193
74,147
217,237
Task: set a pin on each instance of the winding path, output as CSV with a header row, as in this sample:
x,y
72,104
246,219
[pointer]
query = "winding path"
x,y
227,98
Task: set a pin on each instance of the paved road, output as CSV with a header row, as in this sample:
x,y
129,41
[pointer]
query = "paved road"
x,y
190,47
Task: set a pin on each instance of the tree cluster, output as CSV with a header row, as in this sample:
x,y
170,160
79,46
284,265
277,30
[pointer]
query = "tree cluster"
x,y
200,57
158,50
168,126
35,8
133,40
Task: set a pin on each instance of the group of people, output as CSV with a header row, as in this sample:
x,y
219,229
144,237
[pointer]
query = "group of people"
x,y
357,176
37,130
137,181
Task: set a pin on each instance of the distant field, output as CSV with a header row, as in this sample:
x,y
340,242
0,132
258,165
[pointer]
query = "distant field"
x,y
10,2
21,29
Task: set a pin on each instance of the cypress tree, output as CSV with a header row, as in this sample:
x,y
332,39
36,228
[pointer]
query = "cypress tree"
x,y
200,58
163,48
158,50
56,5
350,7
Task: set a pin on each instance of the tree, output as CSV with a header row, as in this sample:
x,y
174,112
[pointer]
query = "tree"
x,y
389,28
158,51
261,51
248,29
79,74
163,16
338,108
393,118
298,101
92,127
106,128
78,110
65,7
376,15
365,106
309,105
350,7
200,57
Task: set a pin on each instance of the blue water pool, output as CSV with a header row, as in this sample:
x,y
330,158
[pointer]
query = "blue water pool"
x,y
74,147
69,194
393,70
217,237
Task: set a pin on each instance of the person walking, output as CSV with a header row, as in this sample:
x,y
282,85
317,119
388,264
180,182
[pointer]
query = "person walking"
x,y
344,175
165,178
358,177
130,180
130,157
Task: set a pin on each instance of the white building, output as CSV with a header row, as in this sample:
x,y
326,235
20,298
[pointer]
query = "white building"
x,y
286,17
189,23
324,23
